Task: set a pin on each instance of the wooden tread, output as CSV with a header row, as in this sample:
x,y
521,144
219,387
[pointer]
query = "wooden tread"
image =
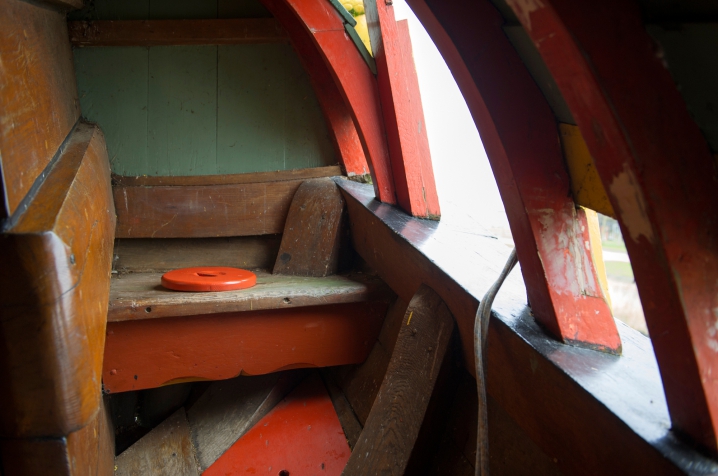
x,y
140,296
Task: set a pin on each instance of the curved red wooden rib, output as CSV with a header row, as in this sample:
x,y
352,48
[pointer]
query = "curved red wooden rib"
x,y
660,177
317,23
521,138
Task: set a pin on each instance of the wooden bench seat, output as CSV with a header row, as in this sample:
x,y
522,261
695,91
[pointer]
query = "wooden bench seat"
x,y
140,295
156,336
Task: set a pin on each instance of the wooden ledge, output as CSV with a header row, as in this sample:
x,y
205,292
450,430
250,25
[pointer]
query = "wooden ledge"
x,y
140,296
616,415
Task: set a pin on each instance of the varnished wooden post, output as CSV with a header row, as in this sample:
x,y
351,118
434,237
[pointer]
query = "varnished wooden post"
x,y
660,177
390,431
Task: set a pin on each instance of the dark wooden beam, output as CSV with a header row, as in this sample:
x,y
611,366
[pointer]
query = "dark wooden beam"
x,y
390,431
660,176
203,211
153,352
233,31
313,231
159,255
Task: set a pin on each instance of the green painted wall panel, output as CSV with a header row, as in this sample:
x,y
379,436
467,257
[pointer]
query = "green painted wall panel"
x,y
182,105
112,84
268,116
197,110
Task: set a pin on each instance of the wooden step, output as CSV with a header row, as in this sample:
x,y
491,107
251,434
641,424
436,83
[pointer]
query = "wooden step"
x,y
140,295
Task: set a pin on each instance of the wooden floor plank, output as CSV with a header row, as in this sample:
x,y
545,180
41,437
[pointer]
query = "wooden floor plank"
x,y
140,296
393,424
166,450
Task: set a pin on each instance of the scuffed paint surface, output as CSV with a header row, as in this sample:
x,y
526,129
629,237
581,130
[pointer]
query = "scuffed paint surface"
x,y
631,205
524,9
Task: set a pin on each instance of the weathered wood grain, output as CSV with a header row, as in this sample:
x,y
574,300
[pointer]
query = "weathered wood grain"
x,y
402,112
230,408
166,450
221,31
87,451
227,179
54,289
203,211
639,130
38,95
312,232
395,419
164,254
613,415
140,296
154,352
360,384
348,419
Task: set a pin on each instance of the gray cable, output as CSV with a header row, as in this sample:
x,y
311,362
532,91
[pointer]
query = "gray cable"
x,y
481,332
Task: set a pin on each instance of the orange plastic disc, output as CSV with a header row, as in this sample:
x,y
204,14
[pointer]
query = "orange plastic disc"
x,y
209,278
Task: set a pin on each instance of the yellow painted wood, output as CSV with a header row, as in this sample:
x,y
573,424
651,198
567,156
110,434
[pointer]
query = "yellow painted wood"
x,y
594,236
586,185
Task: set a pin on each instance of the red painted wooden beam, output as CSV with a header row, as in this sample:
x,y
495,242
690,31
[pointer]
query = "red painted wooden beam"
x,y
660,177
357,85
520,135
153,352
403,113
302,435
336,112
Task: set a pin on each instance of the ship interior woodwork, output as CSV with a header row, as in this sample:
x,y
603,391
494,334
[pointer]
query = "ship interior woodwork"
x,y
139,137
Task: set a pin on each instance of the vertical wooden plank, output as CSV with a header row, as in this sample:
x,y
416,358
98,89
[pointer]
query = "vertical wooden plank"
x,y
268,115
250,126
38,95
307,141
402,112
385,444
182,104
312,232
660,176
113,87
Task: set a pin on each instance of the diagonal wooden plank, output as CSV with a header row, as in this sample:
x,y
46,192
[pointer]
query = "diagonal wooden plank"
x,y
166,450
393,424
230,408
